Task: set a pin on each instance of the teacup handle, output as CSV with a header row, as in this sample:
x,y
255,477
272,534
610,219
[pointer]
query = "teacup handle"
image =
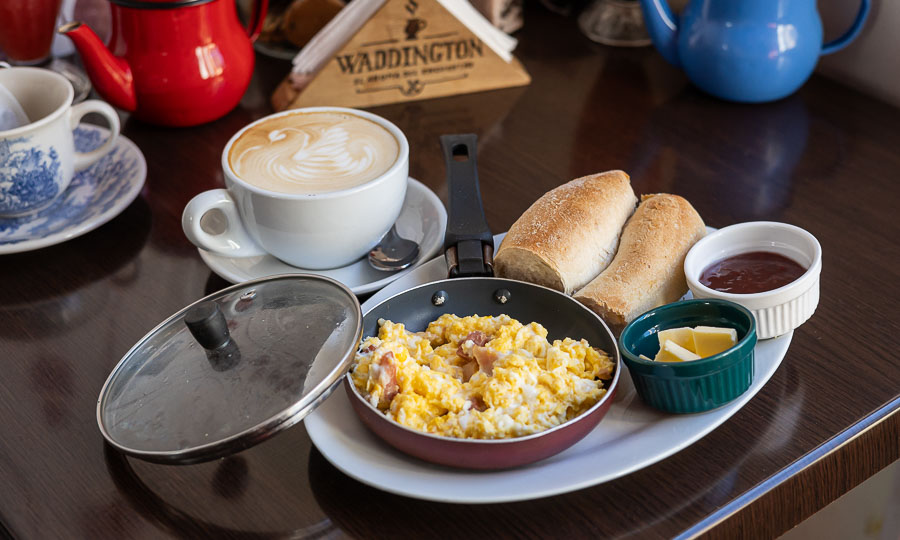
x,y
83,159
234,242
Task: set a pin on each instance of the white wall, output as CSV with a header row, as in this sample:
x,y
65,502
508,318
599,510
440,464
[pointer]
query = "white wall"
x,y
870,511
872,62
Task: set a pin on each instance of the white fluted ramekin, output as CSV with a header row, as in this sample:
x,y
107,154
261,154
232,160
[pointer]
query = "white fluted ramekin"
x,y
777,311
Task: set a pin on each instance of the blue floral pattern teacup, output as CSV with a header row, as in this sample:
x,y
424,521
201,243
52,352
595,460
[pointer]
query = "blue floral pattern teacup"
x,y
38,159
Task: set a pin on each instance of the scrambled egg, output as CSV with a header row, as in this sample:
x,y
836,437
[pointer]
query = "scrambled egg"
x,y
479,377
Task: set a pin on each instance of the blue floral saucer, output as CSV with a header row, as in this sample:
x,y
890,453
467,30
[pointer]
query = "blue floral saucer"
x,y
96,195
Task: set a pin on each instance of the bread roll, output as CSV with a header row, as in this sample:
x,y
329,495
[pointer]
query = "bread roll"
x,y
648,270
570,234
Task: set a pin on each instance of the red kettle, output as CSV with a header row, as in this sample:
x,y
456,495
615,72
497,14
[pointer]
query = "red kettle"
x,y
171,62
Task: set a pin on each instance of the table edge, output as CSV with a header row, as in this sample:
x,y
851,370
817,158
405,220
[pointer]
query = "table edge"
x,y
739,517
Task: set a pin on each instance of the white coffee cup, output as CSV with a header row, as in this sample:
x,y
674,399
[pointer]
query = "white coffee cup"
x,y
313,227
38,159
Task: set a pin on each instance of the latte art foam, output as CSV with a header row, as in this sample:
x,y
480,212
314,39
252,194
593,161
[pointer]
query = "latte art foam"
x,y
313,152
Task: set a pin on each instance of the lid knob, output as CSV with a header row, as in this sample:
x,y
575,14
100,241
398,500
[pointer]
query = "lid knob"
x,y
208,325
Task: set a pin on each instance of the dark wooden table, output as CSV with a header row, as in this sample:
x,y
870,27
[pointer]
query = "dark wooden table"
x,y
825,159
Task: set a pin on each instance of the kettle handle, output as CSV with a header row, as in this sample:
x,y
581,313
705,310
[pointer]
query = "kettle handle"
x,y
841,42
257,16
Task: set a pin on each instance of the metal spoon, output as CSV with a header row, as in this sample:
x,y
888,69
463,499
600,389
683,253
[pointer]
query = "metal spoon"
x,y
393,252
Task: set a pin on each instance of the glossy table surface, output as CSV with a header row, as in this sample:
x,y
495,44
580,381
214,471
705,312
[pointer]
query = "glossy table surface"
x,y
825,159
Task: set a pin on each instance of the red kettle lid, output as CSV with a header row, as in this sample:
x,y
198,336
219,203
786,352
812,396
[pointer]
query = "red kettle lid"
x,y
158,4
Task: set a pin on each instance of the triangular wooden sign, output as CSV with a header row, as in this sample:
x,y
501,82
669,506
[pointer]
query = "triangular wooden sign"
x,y
408,50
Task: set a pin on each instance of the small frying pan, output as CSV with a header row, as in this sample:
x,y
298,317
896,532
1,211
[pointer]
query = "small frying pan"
x,y
471,290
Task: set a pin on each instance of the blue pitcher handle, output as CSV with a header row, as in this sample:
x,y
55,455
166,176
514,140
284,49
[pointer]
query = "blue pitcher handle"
x,y
841,42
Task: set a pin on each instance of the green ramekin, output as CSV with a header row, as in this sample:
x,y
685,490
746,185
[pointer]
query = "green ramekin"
x,y
698,385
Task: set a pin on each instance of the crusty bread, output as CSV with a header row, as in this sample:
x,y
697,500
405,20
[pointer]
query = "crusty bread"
x,y
648,270
570,234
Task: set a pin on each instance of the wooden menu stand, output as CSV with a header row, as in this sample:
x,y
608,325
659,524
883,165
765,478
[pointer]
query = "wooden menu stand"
x,y
409,50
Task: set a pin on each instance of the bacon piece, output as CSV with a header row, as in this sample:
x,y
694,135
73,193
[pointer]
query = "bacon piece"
x,y
370,348
478,404
606,371
469,369
485,356
388,379
477,337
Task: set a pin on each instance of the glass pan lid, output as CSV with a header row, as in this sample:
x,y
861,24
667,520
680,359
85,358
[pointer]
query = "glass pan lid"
x,y
258,357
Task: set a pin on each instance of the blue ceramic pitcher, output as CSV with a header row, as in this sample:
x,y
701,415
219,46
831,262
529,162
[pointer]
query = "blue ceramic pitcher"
x,y
745,50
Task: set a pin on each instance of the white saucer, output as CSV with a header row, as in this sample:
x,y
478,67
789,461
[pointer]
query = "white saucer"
x,y
96,195
423,219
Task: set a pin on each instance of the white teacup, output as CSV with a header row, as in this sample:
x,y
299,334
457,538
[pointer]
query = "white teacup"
x,y
38,159
316,187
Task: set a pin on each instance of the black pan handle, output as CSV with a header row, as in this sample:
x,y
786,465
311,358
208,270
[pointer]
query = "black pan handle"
x,y
468,242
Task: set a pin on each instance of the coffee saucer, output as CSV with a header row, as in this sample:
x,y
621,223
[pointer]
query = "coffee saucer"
x,y
96,195
423,219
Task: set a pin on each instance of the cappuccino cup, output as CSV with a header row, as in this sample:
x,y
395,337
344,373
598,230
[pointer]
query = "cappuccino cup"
x,y
316,187
38,158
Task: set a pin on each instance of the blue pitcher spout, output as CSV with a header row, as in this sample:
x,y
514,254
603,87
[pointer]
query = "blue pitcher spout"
x,y
662,25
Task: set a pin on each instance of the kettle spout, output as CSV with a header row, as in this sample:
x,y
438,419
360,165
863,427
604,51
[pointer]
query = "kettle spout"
x,y
662,25
111,76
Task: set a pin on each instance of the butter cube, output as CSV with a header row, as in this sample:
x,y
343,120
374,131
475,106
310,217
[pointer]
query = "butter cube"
x,y
682,336
673,352
710,340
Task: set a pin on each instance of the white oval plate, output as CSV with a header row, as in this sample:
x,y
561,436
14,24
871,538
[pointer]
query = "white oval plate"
x,y
96,195
423,219
630,437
